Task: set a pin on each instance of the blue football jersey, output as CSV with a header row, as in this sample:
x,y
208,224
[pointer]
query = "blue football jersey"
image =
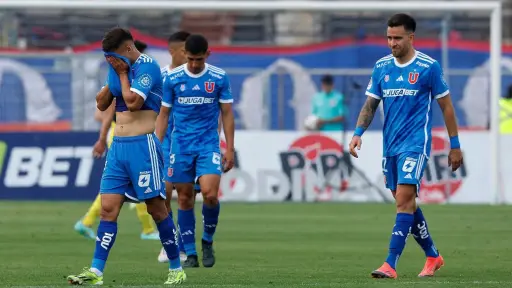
x,y
146,81
195,100
407,92
164,71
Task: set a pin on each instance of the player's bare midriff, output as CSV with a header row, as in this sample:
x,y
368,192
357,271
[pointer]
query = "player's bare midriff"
x,y
135,123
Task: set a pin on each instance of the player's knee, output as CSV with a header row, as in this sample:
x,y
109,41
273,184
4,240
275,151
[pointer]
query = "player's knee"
x,y
210,196
109,212
110,206
406,198
157,210
186,200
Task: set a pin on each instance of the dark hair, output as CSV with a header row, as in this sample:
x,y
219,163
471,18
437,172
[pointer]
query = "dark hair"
x,y
402,19
327,80
114,38
196,44
180,36
141,46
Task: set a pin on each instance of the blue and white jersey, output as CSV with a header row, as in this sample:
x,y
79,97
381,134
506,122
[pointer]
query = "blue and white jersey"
x,y
164,71
407,92
195,99
146,81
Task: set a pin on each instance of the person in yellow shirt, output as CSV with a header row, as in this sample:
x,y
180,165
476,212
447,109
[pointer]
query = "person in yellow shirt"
x,y
506,113
108,122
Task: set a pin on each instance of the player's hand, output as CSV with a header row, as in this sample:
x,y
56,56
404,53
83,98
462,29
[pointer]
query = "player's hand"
x,y
228,160
99,149
119,65
355,143
455,159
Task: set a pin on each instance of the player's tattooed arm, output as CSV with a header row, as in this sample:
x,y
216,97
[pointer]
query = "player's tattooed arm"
x,y
104,98
367,112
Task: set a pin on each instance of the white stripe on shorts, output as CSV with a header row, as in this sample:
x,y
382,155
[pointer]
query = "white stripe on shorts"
x,y
154,161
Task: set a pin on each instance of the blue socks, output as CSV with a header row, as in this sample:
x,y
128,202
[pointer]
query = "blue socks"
x,y
420,232
403,224
180,242
106,236
187,227
168,237
210,221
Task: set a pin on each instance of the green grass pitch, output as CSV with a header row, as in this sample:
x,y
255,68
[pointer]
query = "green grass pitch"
x,y
264,245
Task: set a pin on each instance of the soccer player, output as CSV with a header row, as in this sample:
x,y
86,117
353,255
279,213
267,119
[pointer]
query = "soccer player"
x,y
185,205
407,82
197,93
133,169
176,46
107,118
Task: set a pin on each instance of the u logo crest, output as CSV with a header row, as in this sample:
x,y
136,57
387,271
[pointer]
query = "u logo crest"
x,y
413,77
209,86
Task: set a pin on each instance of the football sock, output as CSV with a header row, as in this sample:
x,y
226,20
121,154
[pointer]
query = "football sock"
x,y
145,219
403,224
168,238
187,227
93,213
420,232
107,232
210,221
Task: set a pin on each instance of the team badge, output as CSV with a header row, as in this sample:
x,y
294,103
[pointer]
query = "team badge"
x,y
209,86
413,77
145,81
182,87
170,171
386,78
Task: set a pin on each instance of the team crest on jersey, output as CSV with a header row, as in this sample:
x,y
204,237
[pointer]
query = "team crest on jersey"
x,y
170,172
209,86
182,87
145,81
386,78
413,77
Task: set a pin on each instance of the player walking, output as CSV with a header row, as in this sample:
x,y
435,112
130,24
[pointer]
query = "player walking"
x,y
407,82
177,51
197,92
106,136
133,168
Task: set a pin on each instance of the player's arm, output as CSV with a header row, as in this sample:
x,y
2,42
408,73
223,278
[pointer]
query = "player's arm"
x,y
104,98
162,121
367,113
440,90
106,121
220,123
374,94
228,122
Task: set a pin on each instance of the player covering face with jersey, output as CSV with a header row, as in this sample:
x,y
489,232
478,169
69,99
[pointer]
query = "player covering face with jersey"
x,y
407,82
133,169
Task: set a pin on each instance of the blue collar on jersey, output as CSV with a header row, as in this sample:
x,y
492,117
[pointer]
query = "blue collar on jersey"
x,y
114,84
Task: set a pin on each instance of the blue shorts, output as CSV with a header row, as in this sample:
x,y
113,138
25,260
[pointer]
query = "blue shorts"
x,y
166,148
404,168
134,168
187,168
